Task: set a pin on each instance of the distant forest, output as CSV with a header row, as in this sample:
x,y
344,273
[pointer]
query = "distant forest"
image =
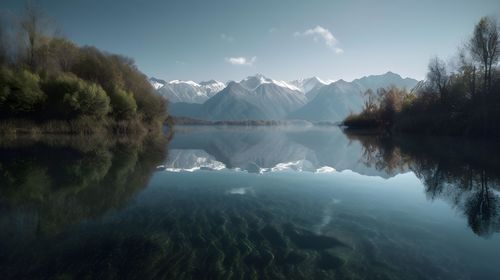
x,y
459,98
49,84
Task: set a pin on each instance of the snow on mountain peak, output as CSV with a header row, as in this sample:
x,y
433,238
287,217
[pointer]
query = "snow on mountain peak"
x,y
191,83
253,82
306,85
187,91
157,83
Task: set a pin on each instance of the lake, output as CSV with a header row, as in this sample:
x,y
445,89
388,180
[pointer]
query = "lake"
x,y
250,203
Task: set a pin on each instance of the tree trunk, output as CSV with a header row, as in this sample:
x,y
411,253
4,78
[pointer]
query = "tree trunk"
x,y
474,82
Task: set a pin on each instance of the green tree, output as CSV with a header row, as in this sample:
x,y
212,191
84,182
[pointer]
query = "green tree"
x,y
122,103
70,96
20,92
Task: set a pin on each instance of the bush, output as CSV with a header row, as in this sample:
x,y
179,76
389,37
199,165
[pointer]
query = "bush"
x,y
70,97
361,121
20,93
122,103
380,110
114,72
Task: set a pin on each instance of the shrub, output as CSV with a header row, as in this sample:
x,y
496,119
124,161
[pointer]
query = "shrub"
x,y
70,97
20,92
122,103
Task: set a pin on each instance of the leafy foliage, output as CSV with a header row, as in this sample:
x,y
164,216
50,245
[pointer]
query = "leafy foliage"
x,y
52,79
71,96
20,93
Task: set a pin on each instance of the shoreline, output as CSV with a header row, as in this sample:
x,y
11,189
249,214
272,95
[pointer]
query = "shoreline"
x,y
200,122
81,126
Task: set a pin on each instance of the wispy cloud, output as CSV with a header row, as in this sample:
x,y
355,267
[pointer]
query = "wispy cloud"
x,y
226,37
241,60
321,33
272,30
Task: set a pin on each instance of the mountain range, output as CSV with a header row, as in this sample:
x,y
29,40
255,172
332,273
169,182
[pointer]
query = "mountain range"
x,y
187,91
260,98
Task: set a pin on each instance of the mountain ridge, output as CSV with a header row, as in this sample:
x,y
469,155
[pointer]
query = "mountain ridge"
x,y
258,97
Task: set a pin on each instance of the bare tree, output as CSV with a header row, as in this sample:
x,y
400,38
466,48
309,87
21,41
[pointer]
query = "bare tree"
x,y
437,77
34,25
3,42
484,47
370,104
467,68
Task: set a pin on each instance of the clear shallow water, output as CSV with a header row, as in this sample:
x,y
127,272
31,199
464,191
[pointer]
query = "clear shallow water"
x,y
251,203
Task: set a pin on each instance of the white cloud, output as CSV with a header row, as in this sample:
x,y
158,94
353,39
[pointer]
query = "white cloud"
x,y
241,60
226,37
321,33
272,30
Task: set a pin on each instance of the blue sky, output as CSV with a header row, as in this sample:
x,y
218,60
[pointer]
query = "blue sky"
x,y
288,39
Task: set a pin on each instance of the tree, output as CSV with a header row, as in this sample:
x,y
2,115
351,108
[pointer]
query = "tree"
x,y
70,97
370,104
55,56
484,47
467,70
20,93
34,24
122,103
437,77
391,102
3,51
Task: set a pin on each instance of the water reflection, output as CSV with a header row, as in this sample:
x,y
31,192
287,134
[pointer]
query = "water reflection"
x,y
464,173
263,149
246,203
49,183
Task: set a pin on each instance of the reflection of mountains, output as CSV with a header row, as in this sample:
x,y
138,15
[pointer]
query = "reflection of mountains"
x,y
464,173
265,148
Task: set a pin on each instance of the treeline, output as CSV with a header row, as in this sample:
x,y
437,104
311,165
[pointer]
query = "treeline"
x,y
461,98
45,78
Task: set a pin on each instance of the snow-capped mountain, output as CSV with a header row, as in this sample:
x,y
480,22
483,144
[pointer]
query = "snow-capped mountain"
x,y
157,83
255,97
187,91
306,85
253,82
337,100
260,98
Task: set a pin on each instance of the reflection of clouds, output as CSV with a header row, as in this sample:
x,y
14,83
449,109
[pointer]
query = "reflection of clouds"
x,y
327,215
240,191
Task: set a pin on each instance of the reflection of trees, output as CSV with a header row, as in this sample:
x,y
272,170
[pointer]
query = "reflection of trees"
x,y
381,153
465,173
52,183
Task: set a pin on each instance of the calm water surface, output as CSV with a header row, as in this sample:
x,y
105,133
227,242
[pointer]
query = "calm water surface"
x,y
250,203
